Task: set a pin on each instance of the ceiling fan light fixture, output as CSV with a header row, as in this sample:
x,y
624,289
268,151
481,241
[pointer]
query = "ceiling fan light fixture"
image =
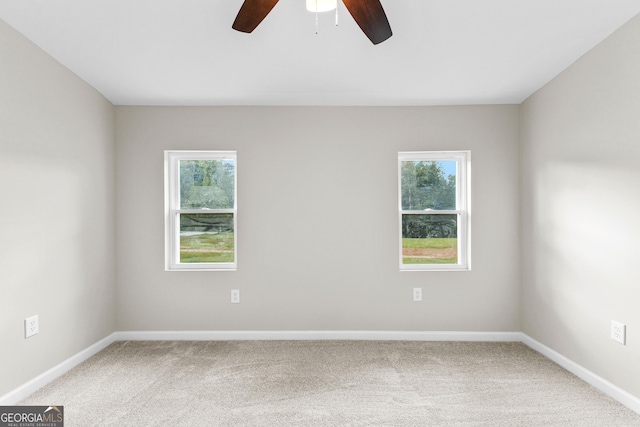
x,y
322,5
368,14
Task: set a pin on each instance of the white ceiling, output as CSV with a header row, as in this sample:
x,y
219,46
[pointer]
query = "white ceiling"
x,y
443,52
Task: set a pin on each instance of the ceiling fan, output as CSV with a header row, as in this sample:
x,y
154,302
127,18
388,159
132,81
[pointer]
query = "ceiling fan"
x,y
368,14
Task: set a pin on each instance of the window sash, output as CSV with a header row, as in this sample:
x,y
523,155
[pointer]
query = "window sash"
x,y
462,159
176,263
173,212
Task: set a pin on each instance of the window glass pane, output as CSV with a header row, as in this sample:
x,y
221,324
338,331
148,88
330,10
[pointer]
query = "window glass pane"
x,y
206,184
429,239
206,238
428,185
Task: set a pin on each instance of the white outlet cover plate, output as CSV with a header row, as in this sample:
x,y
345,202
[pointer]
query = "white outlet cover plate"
x,y
618,332
235,296
30,326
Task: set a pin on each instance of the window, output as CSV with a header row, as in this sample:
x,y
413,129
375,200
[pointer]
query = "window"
x,y
434,210
200,210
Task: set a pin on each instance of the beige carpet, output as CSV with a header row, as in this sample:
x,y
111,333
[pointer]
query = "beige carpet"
x,y
326,383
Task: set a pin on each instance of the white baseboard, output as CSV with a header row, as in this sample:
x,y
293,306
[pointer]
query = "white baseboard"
x,y
625,398
316,335
45,378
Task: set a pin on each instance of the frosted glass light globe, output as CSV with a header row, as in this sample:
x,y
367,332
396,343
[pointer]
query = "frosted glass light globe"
x,y
323,5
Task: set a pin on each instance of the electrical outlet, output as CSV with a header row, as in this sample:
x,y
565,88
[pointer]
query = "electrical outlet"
x,y
30,326
618,332
235,296
417,294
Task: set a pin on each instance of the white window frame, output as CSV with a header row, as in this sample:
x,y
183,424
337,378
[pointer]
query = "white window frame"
x,y
172,210
463,207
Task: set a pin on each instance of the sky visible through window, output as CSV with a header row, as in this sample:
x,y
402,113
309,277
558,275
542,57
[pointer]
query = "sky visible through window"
x,y
449,167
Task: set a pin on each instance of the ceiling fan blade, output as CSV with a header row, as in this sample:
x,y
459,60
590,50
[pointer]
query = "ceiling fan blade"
x,y
370,17
251,14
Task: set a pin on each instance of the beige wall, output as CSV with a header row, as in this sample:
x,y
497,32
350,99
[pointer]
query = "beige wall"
x,y
56,211
317,200
581,210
